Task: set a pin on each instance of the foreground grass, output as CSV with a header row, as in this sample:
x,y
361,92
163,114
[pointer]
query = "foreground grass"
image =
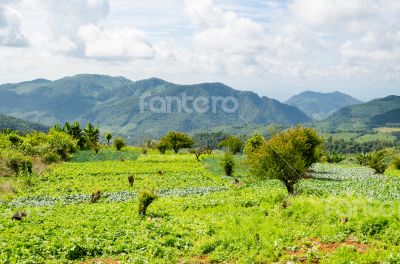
x,y
342,214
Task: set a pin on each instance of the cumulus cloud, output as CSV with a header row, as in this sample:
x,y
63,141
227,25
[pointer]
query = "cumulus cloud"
x,y
77,30
120,43
10,27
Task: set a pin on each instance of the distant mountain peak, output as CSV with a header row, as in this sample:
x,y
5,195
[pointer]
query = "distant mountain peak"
x,y
320,105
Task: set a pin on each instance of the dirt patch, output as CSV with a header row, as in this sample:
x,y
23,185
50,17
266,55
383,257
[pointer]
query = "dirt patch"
x,y
328,247
101,261
198,260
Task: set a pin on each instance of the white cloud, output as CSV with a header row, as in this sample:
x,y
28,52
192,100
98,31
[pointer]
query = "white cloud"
x,y
121,43
10,27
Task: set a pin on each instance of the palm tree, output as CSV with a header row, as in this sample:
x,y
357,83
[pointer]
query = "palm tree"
x,y
92,134
108,137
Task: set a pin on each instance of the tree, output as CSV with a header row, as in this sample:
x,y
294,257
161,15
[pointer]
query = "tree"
x,y
253,143
376,162
286,156
119,143
108,137
176,141
91,134
233,144
76,132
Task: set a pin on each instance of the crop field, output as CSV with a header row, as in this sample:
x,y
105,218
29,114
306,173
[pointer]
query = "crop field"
x,y
340,214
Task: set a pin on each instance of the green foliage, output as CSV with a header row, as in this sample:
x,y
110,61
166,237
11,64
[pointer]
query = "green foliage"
x,y
286,156
228,163
92,134
374,226
377,163
145,198
119,143
253,143
233,144
176,141
16,162
396,163
62,143
209,139
363,158
334,157
13,123
108,137
15,139
103,155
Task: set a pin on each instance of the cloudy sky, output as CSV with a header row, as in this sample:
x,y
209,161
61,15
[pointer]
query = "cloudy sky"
x,y
275,48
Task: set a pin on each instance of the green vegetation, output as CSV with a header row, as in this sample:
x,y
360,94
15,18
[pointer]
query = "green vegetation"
x,y
119,143
232,144
145,198
286,156
228,163
175,141
9,122
85,209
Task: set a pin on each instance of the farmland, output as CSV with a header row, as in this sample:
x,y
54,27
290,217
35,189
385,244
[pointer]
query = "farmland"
x,y
341,213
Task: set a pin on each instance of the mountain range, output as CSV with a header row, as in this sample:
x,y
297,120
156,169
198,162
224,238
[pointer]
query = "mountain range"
x,y
382,112
321,105
140,109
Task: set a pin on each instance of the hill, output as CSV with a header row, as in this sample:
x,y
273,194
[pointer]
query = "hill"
x,y
19,124
321,105
376,113
141,109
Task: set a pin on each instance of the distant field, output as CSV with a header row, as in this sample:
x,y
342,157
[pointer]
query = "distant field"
x,y
342,135
374,137
387,129
341,214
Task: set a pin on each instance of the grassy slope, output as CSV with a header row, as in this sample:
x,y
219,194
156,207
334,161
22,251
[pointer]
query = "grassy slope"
x,y
334,219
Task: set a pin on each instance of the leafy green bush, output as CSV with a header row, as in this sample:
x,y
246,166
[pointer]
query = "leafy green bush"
x,y
374,226
119,143
228,163
51,157
377,163
253,143
233,144
286,156
396,163
363,158
334,157
16,161
145,198
15,139
62,143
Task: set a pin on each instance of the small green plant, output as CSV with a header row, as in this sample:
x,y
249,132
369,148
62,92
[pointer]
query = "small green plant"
x,y
396,163
228,163
334,157
119,143
377,163
145,198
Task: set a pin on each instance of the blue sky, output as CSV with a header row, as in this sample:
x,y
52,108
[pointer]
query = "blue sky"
x,y
275,48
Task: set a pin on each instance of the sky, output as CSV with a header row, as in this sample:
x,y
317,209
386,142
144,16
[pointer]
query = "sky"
x,y
274,48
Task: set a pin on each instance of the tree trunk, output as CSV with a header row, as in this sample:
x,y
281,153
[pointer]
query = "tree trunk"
x,y
289,187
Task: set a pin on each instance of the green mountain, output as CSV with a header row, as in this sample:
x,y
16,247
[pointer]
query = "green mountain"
x,y
115,104
321,105
19,124
376,113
